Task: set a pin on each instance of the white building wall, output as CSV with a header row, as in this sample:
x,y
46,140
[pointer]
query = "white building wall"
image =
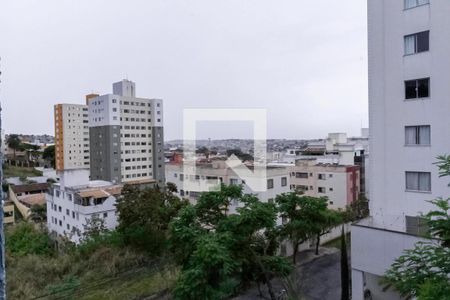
x,y
75,136
377,241
388,69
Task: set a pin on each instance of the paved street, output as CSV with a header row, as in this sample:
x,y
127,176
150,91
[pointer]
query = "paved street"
x,y
318,278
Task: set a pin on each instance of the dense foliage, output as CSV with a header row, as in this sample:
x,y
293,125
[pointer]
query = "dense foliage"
x,y
144,217
221,253
304,218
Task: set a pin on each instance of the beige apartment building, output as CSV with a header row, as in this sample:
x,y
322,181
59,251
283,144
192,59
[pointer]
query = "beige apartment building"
x,y
277,179
71,136
340,183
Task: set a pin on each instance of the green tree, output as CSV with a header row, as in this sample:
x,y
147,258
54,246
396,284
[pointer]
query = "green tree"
x,y
24,238
49,155
144,216
94,227
323,220
236,249
13,143
295,228
305,217
38,213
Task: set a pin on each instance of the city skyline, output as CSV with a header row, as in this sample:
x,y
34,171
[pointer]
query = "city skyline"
x,y
253,55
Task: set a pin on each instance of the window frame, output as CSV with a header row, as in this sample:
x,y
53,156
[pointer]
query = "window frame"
x,y
417,86
405,7
418,182
416,43
418,137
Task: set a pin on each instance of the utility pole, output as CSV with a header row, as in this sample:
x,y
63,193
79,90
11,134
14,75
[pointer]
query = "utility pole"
x,y
2,232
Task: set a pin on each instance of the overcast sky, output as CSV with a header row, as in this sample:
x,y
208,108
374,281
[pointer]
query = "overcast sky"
x,y
305,61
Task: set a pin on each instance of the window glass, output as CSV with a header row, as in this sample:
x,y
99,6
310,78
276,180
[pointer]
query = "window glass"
x,y
423,41
423,90
418,181
410,89
410,44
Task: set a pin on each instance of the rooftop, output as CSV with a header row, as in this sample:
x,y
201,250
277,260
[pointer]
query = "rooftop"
x,y
33,187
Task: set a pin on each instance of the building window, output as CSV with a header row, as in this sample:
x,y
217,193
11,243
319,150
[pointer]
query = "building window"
x,y
322,177
415,3
233,181
322,190
301,175
418,181
417,88
417,135
417,42
283,181
269,184
416,225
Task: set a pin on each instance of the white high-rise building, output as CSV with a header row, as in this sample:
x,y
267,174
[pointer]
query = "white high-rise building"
x,y
71,136
409,69
126,136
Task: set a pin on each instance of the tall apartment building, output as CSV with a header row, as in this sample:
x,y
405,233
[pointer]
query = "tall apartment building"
x,y
409,68
126,136
339,183
71,137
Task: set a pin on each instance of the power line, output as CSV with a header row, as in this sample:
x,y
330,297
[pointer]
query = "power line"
x,y
125,274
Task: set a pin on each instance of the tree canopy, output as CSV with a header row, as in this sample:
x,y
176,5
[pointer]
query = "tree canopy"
x,y
221,253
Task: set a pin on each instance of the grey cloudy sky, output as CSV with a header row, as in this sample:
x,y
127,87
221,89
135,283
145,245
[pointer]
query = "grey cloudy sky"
x,y
305,61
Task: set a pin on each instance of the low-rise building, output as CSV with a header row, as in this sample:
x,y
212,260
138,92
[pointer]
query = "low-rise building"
x,y
25,196
8,212
340,183
277,179
75,200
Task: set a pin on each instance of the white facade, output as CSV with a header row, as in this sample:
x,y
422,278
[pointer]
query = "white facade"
x,y
340,184
406,44
71,136
131,130
75,200
277,177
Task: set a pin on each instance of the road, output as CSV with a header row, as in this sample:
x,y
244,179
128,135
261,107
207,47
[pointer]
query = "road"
x,y
318,278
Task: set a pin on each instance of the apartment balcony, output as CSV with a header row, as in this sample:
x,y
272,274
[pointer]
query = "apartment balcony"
x,y
373,250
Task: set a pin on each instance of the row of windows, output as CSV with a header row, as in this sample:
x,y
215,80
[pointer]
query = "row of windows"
x,y
137,120
136,175
418,88
305,188
137,167
132,135
304,175
134,159
132,103
233,181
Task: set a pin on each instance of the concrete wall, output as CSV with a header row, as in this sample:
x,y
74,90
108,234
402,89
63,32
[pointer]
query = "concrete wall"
x,y
105,153
373,251
389,112
158,154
